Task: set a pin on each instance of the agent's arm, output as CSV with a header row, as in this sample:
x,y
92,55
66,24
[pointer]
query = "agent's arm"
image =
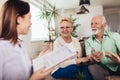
x,y
41,74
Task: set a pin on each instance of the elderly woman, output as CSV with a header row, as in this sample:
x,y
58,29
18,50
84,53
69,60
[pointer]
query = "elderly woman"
x,y
69,68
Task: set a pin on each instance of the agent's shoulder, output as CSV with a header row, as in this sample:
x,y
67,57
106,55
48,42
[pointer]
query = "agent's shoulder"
x,y
3,42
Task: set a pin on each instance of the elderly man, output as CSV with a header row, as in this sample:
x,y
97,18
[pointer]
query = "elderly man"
x,y
103,48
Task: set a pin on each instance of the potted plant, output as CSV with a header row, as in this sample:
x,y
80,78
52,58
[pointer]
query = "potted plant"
x,y
75,26
81,76
49,13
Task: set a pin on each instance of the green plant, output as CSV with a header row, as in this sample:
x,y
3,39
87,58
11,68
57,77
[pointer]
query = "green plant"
x,y
48,13
81,76
75,26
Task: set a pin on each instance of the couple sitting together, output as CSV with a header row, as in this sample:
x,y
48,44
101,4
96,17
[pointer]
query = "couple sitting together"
x,y
102,50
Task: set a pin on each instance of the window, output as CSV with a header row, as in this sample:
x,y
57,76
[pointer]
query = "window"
x,y
113,19
39,31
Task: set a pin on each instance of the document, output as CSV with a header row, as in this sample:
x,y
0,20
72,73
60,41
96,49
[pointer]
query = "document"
x,y
54,57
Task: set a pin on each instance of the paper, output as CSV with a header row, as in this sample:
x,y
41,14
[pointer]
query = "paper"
x,y
55,57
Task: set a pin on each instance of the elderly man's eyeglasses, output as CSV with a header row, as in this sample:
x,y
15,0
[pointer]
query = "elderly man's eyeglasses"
x,y
65,27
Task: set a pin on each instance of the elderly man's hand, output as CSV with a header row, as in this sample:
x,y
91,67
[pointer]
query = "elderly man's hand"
x,y
114,57
96,56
